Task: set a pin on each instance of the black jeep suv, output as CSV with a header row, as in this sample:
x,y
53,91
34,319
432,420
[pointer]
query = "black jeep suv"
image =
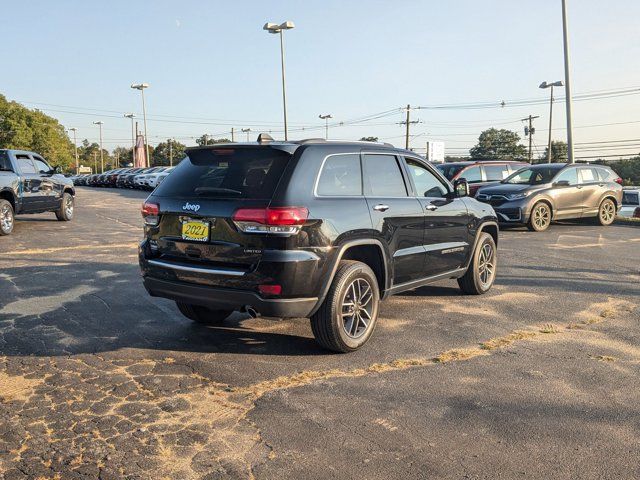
x,y
310,229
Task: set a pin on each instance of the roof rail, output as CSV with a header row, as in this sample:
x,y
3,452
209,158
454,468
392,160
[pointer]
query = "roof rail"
x,y
310,140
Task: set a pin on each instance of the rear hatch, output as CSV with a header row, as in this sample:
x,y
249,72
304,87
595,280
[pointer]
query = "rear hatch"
x,y
198,200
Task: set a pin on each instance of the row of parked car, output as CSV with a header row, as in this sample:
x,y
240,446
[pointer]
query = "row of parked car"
x,y
142,178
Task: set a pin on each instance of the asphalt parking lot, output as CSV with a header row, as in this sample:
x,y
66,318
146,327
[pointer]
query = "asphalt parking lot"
x,y
540,378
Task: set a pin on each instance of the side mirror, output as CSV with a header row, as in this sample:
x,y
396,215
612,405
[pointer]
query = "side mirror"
x,y
561,183
461,187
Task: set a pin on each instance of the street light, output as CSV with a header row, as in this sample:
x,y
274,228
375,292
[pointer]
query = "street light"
x,y
326,125
99,123
247,131
75,146
141,87
133,137
275,28
550,85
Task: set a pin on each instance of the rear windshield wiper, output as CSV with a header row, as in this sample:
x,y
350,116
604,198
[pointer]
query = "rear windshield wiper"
x,y
215,190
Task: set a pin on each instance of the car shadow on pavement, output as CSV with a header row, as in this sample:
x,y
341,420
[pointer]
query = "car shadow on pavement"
x,y
80,307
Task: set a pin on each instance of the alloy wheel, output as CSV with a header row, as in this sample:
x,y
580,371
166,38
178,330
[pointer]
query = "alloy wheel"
x,y
6,218
68,206
607,212
486,265
357,308
541,216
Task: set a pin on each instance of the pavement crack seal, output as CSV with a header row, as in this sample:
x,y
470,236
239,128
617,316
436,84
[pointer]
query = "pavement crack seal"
x,y
160,419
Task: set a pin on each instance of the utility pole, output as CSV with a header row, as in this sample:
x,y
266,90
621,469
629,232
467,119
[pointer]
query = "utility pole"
x,y
233,135
170,153
206,139
247,131
75,146
95,162
133,138
529,131
99,123
408,122
567,82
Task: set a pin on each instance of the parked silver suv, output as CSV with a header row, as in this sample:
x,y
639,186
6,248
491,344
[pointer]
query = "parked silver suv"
x,y
538,194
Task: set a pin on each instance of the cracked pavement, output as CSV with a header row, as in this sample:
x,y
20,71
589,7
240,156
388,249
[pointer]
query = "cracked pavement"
x,y
537,379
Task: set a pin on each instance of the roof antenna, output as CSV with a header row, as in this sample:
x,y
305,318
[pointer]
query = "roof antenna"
x,y
265,138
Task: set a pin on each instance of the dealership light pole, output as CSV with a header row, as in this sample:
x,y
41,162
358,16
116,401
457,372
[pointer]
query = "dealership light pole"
x,y
274,28
99,123
567,82
550,85
247,131
75,146
133,138
326,125
141,87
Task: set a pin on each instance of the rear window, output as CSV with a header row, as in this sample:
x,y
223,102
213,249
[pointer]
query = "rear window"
x,y
251,173
496,172
630,199
5,164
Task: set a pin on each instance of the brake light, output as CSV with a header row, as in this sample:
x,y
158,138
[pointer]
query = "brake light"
x,y
284,220
636,213
270,289
151,213
619,181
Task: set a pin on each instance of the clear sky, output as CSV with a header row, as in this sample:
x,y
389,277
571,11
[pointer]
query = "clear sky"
x,y
211,66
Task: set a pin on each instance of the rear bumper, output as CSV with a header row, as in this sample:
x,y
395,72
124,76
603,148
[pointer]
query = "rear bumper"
x,y
229,299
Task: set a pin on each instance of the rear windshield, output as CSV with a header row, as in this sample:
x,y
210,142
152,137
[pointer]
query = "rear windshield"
x,y
251,173
449,171
5,164
630,199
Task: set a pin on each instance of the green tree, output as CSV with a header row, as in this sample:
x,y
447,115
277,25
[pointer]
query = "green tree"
x,y
89,156
494,144
25,129
162,152
629,170
122,156
558,152
207,140
369,139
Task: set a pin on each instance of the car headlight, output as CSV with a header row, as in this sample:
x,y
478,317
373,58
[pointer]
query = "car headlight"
x,y
517,196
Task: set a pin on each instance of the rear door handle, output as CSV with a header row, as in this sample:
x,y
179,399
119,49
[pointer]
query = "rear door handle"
x,y
381,207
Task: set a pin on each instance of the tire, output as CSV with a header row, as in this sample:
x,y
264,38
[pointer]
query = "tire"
x,y
203,315
478,279
65,212
7,217
540,217
606,212
333,327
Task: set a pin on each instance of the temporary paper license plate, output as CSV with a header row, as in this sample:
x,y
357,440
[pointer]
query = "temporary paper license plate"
x,y
195,231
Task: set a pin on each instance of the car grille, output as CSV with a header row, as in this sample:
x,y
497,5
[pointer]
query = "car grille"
x,y
493,200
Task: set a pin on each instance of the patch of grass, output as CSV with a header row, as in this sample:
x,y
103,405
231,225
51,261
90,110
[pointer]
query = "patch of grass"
x,y
505,340
457,354
549,328
604,358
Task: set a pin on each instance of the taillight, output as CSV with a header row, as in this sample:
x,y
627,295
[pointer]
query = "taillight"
x,y
283,220
151,213
619,180
636,213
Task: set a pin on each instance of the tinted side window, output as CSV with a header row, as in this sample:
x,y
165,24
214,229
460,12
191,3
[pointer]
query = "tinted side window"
x,y
496,172
341,176
472,175
382,177
25,164
571,175
603,174
426,183
5,163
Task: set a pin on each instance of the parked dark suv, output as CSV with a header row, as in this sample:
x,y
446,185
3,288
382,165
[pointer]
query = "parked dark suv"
x,y
310,229
28,184
479,173
538,194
